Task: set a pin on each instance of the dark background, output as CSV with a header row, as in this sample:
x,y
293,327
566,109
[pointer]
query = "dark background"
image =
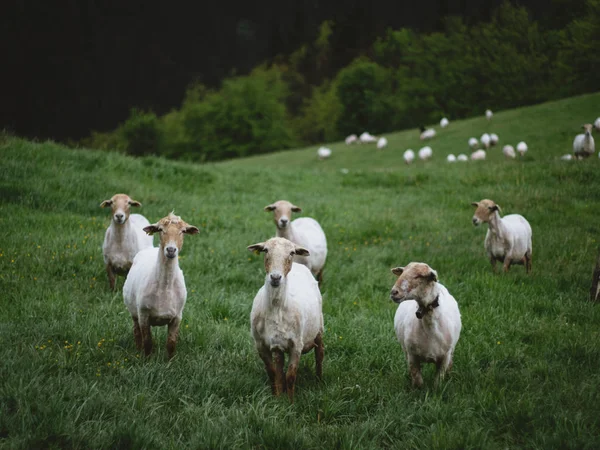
x,y
69,67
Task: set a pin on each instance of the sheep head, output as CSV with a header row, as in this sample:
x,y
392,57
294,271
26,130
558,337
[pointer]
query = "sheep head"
x,y
414,282
120,204
282,213
279,255
171,229
587,128
484,212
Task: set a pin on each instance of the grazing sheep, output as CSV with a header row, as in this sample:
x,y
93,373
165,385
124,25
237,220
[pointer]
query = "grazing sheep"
x,y
425,153
124,237
154,291
462,157
305,232
597,124
444,122
367,138
426,133
382,142
489,114
485,140
351,139
509,151
427,321
478,155
323,153
473,143
583,144
567,157
508,238
493,139
451,158
409,156
286,314
522,148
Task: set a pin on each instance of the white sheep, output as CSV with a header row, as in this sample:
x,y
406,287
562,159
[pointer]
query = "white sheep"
x,y
409,156
462,157
425,153
508,238
444,122
509,151
489,114
286,314
597,124
427,321
305,232
367,138
451,158
124,237
485,140
478,155
154,291
567,157
522,148
351,139
493,139
426,133
473,143
583,144
323,153
382,142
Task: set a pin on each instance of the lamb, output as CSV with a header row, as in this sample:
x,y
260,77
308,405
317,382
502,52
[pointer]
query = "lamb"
x,y
427,321
489,114
522,148
367,138
425,153
124,237
351,139
305,232
154,291
583,144
479,155
426,133
462,157
485,140
451,158
382,142
286,314
323,153
493,139
509,151
473,143
508,238
409,156
444,122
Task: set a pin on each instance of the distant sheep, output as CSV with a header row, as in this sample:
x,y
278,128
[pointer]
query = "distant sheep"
x,y
444,122
462,157
522,148
478,155
382,142
409,156
509,151
597,124
493,139
489,114
451,158
427,133
323,153
124,237
485,140
583,144
351,139
367,138
427,321
567,157
425,153
473,143
508,238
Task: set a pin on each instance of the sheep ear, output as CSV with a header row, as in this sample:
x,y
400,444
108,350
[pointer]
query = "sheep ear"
x,y
432,276
106,203
296,208
257,248
270,207
475,204
190,229
151,229
301,251
398,270
134,203
494,208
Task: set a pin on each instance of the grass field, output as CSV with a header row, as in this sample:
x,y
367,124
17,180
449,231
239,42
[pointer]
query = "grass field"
x,y
526,368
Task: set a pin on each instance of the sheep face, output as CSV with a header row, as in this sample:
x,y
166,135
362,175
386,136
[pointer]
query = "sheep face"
x,y
282,213
588,129
171,229
120,204
485,210
414,283
279,255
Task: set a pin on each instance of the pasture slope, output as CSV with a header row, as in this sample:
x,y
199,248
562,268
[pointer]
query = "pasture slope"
x,y
526,372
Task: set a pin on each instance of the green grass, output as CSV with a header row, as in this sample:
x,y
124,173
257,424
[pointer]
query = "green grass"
x,y
526,371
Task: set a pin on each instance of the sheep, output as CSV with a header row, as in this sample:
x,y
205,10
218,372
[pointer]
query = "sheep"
x,y
367,138
597,124
305,232
567,157
425,153
426,133
522,148
462,157
493,139
427,321
444,122
323,153
509,151
287,314
154,291
124,237
451,158
351,139
473,143
478,155
382,142
583,144
489,114
508,238
485,140
409,156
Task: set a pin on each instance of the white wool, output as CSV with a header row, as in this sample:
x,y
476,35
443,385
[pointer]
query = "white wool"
x,y
427,134
567,157
489,114
597,124
522,148
324,153
425,153
583,144
493,139
351,139
478,155
409,156
485,140
382,142
473,143
462,157
509,151
306,232
444,122
451,158
367,138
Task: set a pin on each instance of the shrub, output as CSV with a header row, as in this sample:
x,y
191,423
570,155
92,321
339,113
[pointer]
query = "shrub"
x,y
141,133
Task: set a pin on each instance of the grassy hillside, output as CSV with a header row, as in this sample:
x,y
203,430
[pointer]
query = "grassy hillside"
x,y
525,369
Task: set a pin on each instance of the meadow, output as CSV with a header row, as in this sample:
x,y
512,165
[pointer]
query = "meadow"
x,y
526,371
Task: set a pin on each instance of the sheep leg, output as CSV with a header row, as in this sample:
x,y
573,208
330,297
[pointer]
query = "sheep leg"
x,y
267,357
527,262
415,372
137,333
320,278
280,384
493,261
172,336
506,264
290,378
319,353
111,277
146,335
443,365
